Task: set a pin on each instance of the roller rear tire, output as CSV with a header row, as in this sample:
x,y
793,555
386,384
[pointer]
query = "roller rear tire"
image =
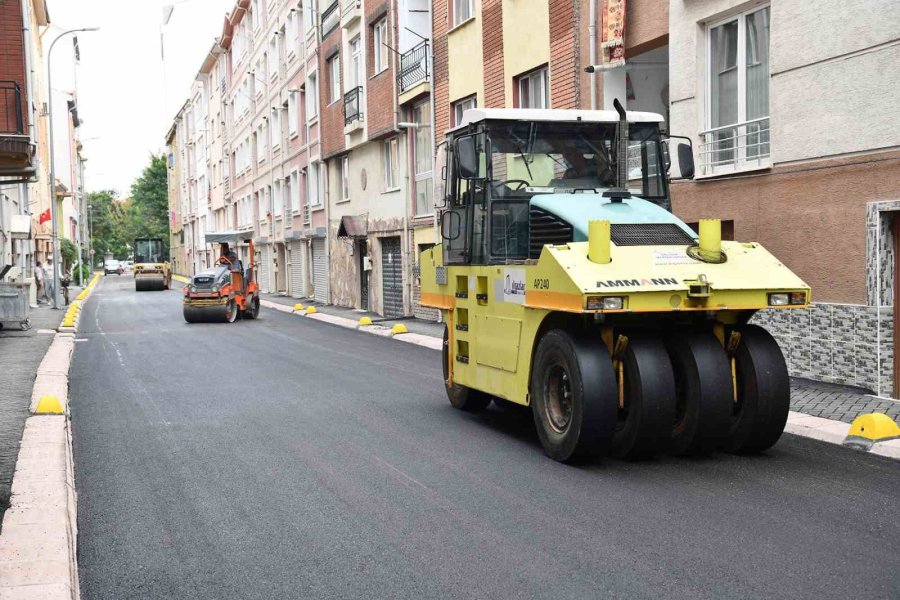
x,y
460,396
644,423
763,393
704,394
573,396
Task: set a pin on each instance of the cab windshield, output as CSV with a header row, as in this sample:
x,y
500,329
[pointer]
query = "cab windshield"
x,y
148,251
528,158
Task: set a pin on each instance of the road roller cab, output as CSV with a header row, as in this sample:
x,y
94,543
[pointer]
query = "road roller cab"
x,y
151,269
228,290
567,285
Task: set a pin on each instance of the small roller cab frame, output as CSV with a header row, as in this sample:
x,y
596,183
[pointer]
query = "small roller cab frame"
x,y
568,285
151,267
229,289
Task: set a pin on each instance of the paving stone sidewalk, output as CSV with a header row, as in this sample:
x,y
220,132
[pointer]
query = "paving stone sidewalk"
x,y
21,353
826,400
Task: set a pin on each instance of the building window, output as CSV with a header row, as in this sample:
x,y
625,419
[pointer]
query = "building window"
x,y
309,14
422,165
531,89
345,177
273,56
461,106
334,72
276,127
356,63
312,102
738,91
277,198
380,44
295,191
389,163
292,114
312,195
462,11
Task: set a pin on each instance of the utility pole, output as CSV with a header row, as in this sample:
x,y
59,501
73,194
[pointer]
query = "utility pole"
x,y
54,218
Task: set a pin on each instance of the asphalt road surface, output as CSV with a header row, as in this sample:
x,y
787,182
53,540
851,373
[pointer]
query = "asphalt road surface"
x,y
288,458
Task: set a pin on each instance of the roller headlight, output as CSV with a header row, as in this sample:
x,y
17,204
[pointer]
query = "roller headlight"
x,y
193,288
779,299
215,288
605,302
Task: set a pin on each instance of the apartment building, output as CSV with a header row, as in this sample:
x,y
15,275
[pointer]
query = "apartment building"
x,y
24,147
791,106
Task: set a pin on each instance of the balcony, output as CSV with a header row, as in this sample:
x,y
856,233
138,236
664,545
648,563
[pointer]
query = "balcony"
x,y
353,106
350,11
739,147
331,18
16,150
412,79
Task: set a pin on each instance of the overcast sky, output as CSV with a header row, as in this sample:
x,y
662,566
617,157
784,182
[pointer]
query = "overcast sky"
x,y
126,99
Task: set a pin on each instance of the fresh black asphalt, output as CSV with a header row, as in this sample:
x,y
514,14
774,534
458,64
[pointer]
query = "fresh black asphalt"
x,y
288,458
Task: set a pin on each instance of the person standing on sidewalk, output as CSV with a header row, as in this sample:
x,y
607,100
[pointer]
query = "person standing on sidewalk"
x,y
40,290
48,281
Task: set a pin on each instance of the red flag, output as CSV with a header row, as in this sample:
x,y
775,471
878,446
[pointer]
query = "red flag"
x,y
45,216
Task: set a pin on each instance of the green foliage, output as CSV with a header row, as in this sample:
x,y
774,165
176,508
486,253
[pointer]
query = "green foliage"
x,y
68,252
116,223
85,273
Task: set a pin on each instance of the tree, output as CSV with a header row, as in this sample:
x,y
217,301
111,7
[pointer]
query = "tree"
x,y
148,214
68,252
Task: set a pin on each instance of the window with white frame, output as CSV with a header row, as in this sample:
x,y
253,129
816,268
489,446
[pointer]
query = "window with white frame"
x,y
277,199
345,177
389,164
254,14
312,194
461,106
309,14
312,95
276,127
422,156
290,33
292,115
272,55
380,44
356,63
531,89
737,135
261,146
462,11
334,74
295,190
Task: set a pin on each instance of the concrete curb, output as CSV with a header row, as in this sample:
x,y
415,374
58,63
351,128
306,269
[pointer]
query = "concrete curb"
x,y
418,339
38,545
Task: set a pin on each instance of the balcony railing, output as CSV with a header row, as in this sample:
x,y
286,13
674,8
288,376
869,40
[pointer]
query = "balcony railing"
x,y
11,109
331,18
352,105
733,147
413,66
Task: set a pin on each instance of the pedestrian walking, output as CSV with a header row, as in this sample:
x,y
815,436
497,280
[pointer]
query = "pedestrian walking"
x,y
48,281
40,290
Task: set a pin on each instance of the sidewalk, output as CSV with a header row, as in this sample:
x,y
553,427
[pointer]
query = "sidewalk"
x,y
21,352
817,399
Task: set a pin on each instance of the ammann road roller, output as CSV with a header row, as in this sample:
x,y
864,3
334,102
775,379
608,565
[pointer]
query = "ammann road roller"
x,y
567,285
151,269
228,290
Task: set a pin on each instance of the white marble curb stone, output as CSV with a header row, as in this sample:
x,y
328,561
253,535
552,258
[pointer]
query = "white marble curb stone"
x,y
38,557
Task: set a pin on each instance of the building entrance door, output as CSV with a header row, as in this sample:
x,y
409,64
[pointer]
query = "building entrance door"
x,y
363,275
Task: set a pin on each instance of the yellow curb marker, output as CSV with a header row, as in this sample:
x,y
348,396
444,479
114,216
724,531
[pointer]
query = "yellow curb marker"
x,y
363,321
310,310
49,405
399,328
874,427
298,307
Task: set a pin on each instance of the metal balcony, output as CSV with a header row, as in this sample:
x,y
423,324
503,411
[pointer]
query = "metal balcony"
x,y
16,149
413,66
11,109
735,147
353,105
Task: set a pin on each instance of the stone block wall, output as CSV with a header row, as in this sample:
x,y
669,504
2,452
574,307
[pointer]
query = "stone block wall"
x,y
849,344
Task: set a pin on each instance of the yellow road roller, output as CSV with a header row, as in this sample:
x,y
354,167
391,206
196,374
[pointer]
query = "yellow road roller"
x,y
567,285
151,269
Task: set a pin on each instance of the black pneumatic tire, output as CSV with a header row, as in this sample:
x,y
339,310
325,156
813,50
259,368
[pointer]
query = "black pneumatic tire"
x,y
764,393
583,368
644,424
460,396
704,392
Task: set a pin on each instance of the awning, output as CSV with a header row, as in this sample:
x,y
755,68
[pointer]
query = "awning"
x,y
353,227
228,237
20,227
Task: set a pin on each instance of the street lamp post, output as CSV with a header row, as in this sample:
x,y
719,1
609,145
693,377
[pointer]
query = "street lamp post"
x,y
54,218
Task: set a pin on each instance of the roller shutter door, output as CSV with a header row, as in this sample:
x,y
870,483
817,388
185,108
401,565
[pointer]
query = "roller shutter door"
x,y
264,267
392,277
298,285
320,270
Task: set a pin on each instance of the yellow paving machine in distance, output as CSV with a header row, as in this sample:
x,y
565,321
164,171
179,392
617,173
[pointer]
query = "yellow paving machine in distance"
x,y
567,285
151,267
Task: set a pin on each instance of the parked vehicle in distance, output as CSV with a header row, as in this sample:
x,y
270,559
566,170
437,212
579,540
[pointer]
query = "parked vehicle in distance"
x,y
113,266
129,265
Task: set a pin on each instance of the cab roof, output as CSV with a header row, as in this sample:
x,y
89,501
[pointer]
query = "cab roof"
x,y
476,115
